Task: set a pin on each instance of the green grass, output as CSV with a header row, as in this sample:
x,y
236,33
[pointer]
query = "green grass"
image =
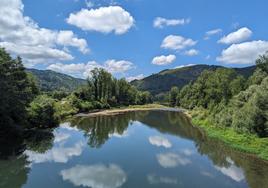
x,y
243,142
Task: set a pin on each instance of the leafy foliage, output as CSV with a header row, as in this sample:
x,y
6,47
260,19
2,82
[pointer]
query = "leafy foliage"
x,y
41,112
229,99
17,90
104,91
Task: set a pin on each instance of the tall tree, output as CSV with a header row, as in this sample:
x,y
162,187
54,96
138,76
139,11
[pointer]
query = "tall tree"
x,y
16,90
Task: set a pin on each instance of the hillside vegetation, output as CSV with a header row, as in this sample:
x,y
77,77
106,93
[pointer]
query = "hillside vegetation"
x,y
230,106
48,80
163,81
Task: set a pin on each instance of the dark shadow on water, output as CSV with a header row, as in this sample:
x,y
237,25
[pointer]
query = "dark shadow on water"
x,y
14,167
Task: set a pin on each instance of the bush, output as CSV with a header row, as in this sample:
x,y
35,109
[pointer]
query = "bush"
x,y
41,112
64,108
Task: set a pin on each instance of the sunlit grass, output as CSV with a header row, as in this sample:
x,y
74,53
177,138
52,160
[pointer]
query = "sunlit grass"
x,y
243,142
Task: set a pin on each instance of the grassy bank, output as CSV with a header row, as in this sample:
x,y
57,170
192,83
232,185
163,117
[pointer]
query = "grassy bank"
x,y
248,143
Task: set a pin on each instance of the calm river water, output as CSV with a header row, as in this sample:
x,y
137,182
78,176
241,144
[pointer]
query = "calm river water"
x,y
133,150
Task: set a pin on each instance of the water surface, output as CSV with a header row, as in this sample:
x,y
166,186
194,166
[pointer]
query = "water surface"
x,y
136,149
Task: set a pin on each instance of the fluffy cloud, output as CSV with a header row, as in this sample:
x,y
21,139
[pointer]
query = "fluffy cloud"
x,y
159,141
191,52
95,176
175,42
104,19
36,54
212,32
20,35
114,66
163,60
67,38
138,77
82,70
236,37
243,53
172,160
162,22
78,70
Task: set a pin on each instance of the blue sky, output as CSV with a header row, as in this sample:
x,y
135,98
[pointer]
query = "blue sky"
x,y
133,38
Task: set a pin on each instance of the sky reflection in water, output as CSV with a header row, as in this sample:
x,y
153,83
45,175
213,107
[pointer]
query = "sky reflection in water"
x,y
139,149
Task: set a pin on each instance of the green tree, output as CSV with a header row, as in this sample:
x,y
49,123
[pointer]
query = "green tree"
x,y
17,90
262,62
173,96
41,112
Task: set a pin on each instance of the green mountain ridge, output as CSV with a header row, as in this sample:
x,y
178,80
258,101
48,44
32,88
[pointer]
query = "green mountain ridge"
x,y
157,83
164,80
53,81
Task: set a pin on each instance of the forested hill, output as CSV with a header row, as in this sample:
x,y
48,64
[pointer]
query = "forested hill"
x,y
166,79
53,81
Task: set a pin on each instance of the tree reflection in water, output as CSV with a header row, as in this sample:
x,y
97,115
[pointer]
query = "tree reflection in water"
x,y
225,159
14,165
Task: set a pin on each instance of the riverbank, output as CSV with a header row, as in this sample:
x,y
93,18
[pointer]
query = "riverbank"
x,y
120,110
248,143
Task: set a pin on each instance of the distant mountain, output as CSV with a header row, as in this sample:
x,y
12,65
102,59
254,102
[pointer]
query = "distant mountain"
x,y
166,79
53,81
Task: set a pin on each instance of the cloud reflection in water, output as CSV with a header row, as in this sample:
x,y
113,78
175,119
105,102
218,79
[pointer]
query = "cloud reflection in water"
x,y
95,176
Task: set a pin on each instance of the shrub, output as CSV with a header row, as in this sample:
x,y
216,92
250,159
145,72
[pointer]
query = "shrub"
x,y
41,112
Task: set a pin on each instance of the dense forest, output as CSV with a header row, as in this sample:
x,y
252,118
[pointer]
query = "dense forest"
x,y
160,83
227,99
48,81
24,106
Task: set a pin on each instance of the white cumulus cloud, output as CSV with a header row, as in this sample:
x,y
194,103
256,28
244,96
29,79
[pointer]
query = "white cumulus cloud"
x,y
175,42
121,66
243,53
191,52
236,37
160,22
82,70
163,60
104,19
21,35
67,38
95,176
